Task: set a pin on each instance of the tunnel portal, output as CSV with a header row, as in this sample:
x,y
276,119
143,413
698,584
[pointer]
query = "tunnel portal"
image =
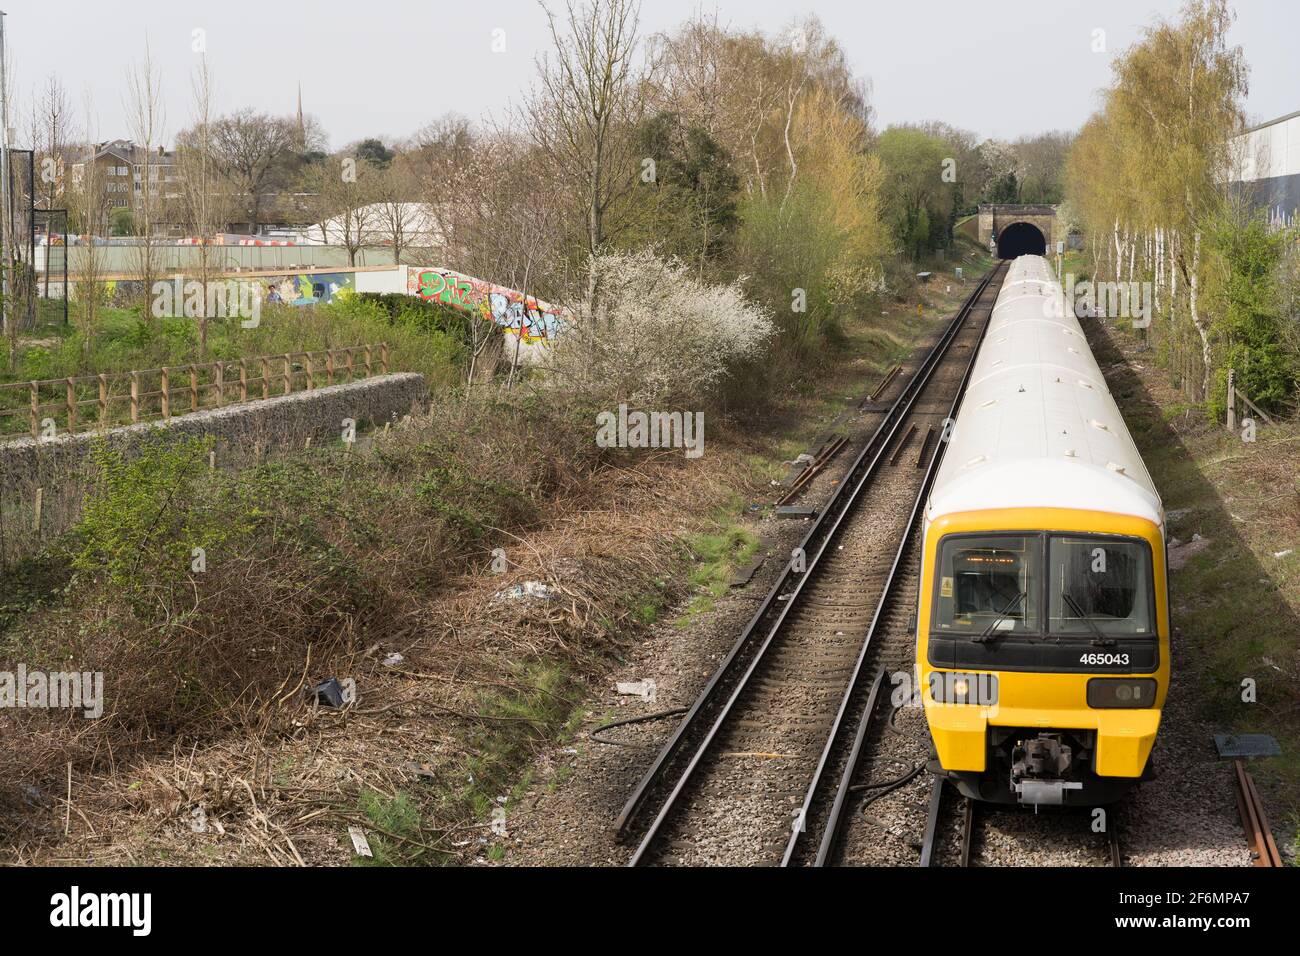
x,y
1021,239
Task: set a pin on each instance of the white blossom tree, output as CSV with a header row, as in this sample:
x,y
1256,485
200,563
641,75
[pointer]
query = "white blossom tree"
x,y
658,337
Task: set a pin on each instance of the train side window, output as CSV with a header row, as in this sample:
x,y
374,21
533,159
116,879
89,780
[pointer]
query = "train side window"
x,y
988,583
1099,584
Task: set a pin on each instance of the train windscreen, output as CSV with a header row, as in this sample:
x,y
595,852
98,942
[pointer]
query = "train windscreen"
x,y
986,584
1099,585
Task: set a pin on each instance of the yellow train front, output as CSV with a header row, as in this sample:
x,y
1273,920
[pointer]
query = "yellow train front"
x,y
1043,624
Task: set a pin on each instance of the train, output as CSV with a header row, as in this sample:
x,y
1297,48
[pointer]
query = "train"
x,y
1042,616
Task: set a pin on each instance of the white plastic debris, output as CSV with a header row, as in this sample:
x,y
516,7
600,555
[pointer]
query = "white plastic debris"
x,y
529,590
1283,554
359,841
499,821
393,659
645,689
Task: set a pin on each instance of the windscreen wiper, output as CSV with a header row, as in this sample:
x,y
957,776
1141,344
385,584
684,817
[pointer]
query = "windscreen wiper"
x,y
988,634
1100,639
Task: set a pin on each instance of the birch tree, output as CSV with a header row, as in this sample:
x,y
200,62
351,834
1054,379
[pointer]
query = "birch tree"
x,y
1149,169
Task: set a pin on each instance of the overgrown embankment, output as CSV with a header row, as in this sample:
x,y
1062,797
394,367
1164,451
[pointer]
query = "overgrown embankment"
x,y
402,565
209,601
1233,510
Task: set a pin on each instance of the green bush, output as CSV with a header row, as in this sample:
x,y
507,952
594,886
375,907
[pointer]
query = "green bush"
x,y
421,314
468,504
144,518
1247,317
791,245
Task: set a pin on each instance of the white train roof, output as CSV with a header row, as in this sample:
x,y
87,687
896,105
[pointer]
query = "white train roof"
x,y
1037,427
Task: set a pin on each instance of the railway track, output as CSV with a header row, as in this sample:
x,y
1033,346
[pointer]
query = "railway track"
x,y
956,828
773,732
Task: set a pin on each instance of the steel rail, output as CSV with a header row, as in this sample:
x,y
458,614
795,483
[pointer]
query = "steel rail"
x,y
932,821
826,526
969,809
830,833
968,830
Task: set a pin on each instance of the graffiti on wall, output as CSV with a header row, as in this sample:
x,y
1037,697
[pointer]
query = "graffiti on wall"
x,y
532,320
305,289
287,289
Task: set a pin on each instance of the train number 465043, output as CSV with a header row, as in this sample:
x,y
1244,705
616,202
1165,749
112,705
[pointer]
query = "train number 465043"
x,y
1103,659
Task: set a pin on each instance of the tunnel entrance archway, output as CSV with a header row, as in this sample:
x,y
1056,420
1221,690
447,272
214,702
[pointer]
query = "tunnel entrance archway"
x,y
1021,239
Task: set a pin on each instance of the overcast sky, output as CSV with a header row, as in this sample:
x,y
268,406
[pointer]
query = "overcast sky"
x,y
1002,68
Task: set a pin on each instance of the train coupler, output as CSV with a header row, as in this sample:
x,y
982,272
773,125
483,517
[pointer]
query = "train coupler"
x,y
1038,769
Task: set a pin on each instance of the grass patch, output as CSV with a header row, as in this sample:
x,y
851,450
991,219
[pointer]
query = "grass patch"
x,y
126,338
513,725
716,555
395,831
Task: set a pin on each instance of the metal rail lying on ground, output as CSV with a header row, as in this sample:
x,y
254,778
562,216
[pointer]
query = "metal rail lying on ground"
x,y
1263,848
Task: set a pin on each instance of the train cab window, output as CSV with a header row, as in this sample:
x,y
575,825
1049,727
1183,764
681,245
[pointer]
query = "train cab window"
x,y
1099,585
988,584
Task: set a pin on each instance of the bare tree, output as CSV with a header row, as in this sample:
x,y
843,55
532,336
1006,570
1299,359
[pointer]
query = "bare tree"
x,y
88,209
202,200
146,118
491,221
447,159
344,189
745,89
252,149
396,218
441,143
514,236
588,97
51,136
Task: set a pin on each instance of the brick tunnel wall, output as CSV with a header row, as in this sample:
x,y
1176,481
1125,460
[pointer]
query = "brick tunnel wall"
x,y
999,216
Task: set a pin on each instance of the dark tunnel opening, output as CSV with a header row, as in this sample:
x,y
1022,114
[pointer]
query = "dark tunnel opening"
x,y
1021,239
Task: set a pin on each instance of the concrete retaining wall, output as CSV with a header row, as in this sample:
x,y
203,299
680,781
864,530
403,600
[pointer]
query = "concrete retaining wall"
x,y
243,433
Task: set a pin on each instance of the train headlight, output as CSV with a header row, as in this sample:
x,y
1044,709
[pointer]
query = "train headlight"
x,y
1121,692
954,687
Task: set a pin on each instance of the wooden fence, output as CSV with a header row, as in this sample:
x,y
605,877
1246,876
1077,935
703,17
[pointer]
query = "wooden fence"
x,y
1234,397
90,402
